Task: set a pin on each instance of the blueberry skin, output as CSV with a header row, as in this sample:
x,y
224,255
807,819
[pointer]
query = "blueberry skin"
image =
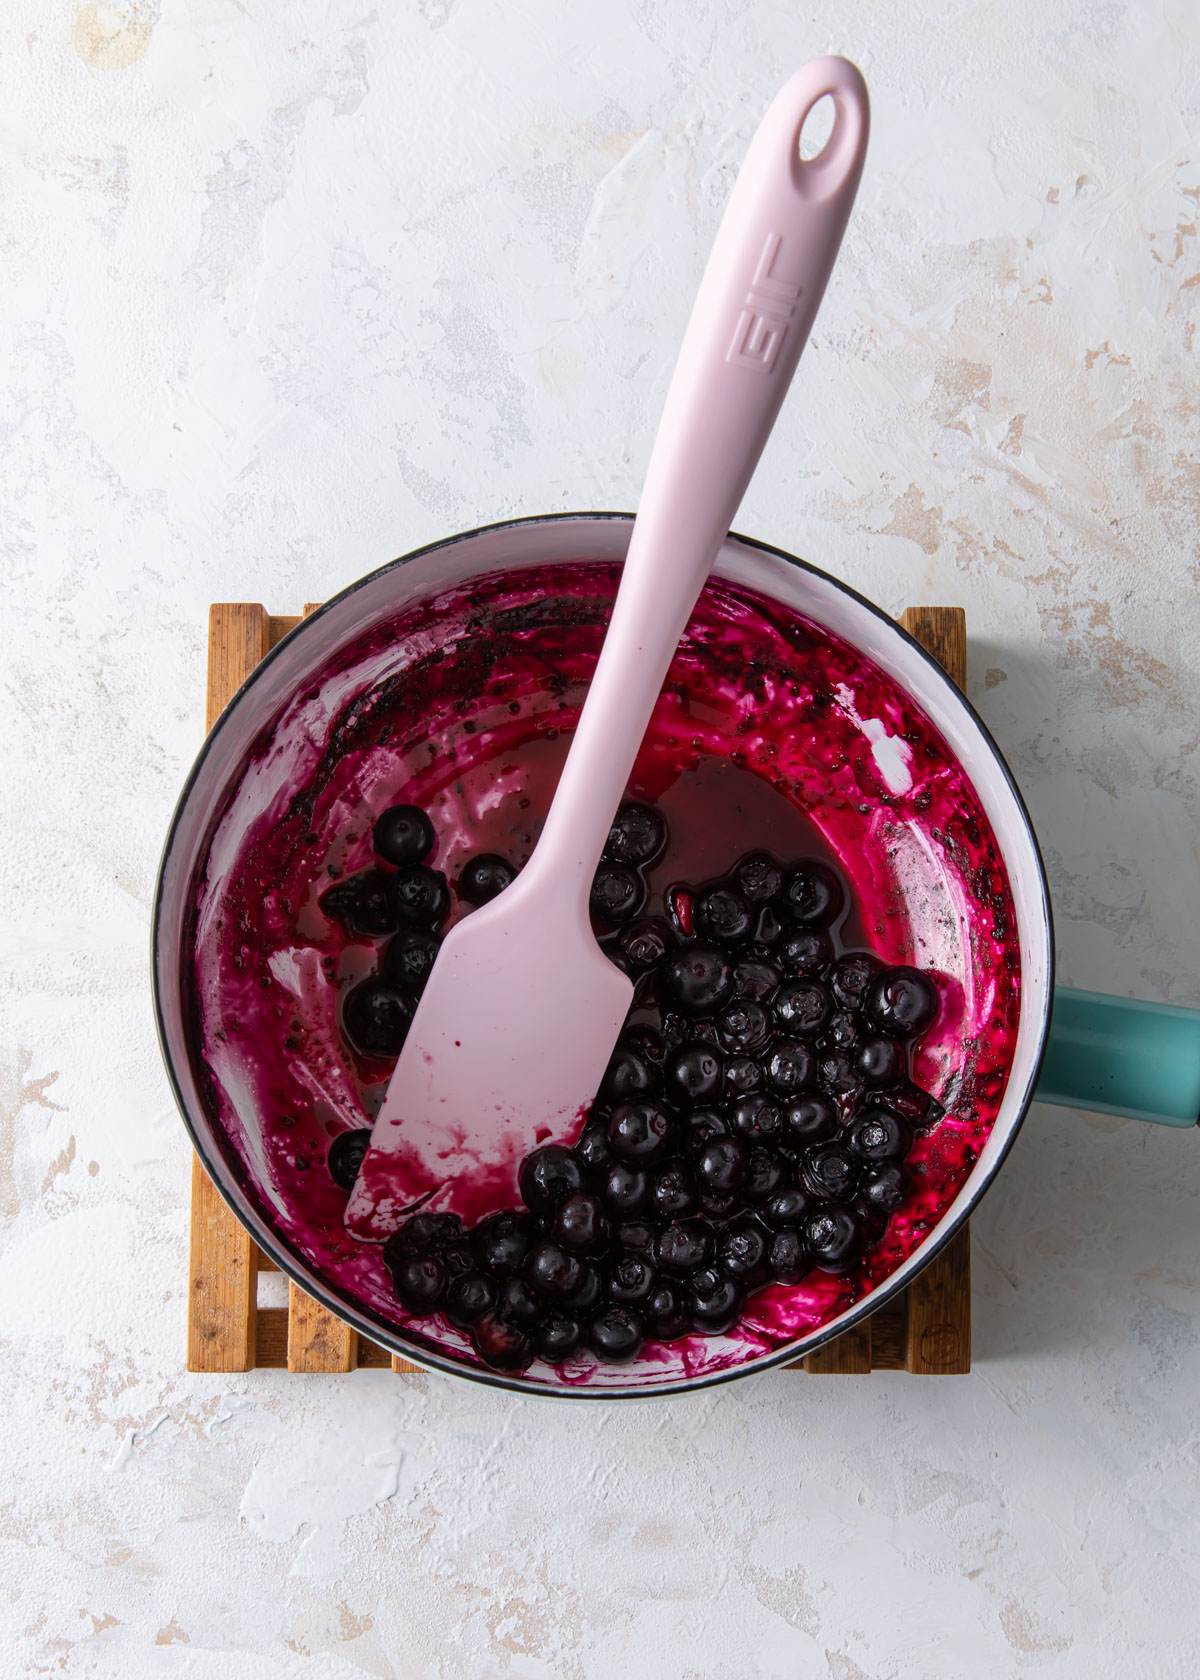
x,y
743,1027
639,1132
813,897
615,1334
674,1191
829,1171
876,1134
580,1224
835,1238
502,1240
788,1257
629,1074
627,1190
557,1338
420,896
409,958
692,1074
618,894
801,1007
742,1251
548,1176
551,1273
420,1284
903,1001
883,1187
758,877
810,1119
881,1061
684,1246
376,1017
852,976
791,1066
485,877
715,1302
469,1297
722,916
424,1233
501,1344
721,1165
805,953
638,835
362,903
665,1318
631,1280
346,1156
517,1305
642,946
697,978
403,834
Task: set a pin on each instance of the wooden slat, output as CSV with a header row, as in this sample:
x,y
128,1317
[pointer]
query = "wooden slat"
x,y
403,1368
889,1338
237,640
942,631
317,1339
277,628
272,1338
847,1355
222,1284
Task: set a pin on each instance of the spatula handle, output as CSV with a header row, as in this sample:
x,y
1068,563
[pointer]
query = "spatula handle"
x,y
765,279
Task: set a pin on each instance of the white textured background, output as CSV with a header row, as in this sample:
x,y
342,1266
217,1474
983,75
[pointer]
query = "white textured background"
x,y
289,288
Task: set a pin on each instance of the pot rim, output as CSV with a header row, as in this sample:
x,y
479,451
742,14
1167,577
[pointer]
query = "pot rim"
x,y
377,1330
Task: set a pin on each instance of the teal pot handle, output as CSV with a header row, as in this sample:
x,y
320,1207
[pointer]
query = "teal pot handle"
x,y
1120,1056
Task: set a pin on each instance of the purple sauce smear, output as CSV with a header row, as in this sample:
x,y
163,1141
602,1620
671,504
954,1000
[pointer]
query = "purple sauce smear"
x,y
770,733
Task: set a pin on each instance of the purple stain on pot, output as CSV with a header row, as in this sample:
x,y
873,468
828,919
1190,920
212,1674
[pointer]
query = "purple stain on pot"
x,y
771,732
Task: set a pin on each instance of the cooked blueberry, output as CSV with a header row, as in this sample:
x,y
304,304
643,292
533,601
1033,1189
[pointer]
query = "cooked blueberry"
x,y
631,1279
420,1283
722,916
877,1134
665,1317
903,1001
590,1291
557,1338
643,945
501,1344
502,1240
550,1272
810,1119
684,1246
743,1027
697,978
785,1208
458,1260
835,1238
692,1074
801,1007
410,956
741,1250
346,1154
548,1176
403,834
700,1127
420,896
788,1256
580,1224
813,896
791,1066
765,1174
841,1030
615,1334
485,877
768,928
517,1305
629,1074
829,1170
674,1191
721,1165
618,894
362,903
743,1077
638,1131
424,1233
718,1206
469,1297
757,877
881,1060
756,1119
715,1302
627,1190
852,975
805,953
637,1235
376,1016
914,1105
756,978
592,1149
638,835
838,1075
883,1187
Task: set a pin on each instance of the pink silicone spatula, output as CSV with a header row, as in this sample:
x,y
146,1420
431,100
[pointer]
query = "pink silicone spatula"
x,y
522,1009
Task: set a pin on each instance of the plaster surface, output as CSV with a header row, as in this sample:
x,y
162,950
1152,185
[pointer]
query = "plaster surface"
x,y
285,291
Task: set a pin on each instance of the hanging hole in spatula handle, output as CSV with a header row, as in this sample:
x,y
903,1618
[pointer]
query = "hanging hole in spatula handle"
x,y
838,160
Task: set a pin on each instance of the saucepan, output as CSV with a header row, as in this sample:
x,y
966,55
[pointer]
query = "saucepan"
x,y
248,1022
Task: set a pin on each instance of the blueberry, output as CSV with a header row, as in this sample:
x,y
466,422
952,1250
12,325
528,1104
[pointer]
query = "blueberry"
x,y
801,1007
674,1191
810,1119
638,835
743,1076
878,1135
700,1127
424,1233
502,1240
755,978
741,1251
806,953
516,1304
630,1073
692,1074
469,1297
756,1119
631,1279
618,894
485,877
903,1001
883,1187
638,1131
765,1174
722,916
715,1302
590,1291
627,1190
557,1338
721,1165
852,975
377,1017
768,929
501,1344
580,1224
697,978
684,1246
834,1237
719,1207
665,1317
788,1257
420,896
757,877
829,1170
615,1334
881,1061
403,834
362,903
410,957
791,1066
346,1155
420,1283
550,1272
458,1260
837,1075
548,1176
743,1027
592,1149
786,1208
637,1235
841,1030
813,897
643,945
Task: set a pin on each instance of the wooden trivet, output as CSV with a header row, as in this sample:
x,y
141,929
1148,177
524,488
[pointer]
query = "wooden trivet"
x,y
927,1331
